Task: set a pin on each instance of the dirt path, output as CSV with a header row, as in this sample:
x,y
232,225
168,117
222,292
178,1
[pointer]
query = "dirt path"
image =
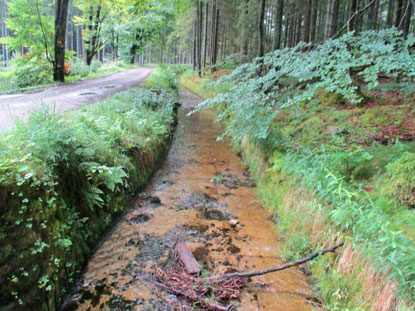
x,y
68,96
208,200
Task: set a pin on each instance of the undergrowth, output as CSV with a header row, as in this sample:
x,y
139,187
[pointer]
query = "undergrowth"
x,y
325,125
65,178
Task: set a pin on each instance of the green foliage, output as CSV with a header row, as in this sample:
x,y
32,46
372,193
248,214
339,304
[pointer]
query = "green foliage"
x,y
33,70
337,66
95,65
402,178
169,80
203,87
31,24
353,165
63,178
79,68
230,62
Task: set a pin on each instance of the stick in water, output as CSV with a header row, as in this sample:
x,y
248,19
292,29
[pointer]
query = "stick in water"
x,y
279,268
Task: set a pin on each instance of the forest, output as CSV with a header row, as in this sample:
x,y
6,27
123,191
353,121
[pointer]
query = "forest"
x,y
178,155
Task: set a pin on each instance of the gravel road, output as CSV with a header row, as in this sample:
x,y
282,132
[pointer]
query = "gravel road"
x,y
68,96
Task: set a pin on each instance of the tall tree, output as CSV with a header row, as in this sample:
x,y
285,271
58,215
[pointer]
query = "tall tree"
x,y
389,18
261,49
307,21
199,15
215,32
353,15
278,24
332,17
95,13
373,16
313,23
407,18
30,25
205,31
399,14
61,17
244,31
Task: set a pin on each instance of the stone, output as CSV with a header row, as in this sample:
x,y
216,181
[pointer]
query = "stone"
x,y
214,214
155,200
233,222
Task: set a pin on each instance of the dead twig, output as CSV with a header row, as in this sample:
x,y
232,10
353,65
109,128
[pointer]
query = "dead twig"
x,y
202,301
212,292
278,268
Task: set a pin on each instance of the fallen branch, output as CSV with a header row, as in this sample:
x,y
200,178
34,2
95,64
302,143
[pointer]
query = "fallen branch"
x,y
279,268
209,293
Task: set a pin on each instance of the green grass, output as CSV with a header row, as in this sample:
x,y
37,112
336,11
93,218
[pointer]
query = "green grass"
x,y
202,86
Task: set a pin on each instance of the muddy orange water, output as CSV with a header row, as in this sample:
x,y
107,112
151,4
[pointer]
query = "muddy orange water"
x,y
203,196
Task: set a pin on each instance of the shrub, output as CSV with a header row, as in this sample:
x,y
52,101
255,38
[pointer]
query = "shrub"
x,y
32,70
163,78
79,68
95,65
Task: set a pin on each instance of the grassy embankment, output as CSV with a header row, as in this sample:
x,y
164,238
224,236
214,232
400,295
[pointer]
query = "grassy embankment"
x,y
355,187
10,83
66,179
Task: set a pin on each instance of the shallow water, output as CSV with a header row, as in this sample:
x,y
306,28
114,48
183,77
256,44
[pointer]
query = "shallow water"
x,y
208,200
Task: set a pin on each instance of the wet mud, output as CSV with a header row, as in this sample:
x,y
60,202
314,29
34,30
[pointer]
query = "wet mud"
x,y
203,196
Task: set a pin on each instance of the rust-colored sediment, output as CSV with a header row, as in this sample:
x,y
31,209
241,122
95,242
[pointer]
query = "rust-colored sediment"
x,y
207,200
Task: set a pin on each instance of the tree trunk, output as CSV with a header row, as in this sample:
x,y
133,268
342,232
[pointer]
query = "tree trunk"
x,y
407,21
389,18
212,31
215,38
93,27
307,21
291,27
298,28
332,18
278,25
244,32
372,16
61,17
261,28
313,23
134,48
194,46
353,18
286,32
399,13
198,38
206,36
328,17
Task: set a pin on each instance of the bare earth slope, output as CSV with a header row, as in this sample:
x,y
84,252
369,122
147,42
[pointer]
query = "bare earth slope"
x,y
68,96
